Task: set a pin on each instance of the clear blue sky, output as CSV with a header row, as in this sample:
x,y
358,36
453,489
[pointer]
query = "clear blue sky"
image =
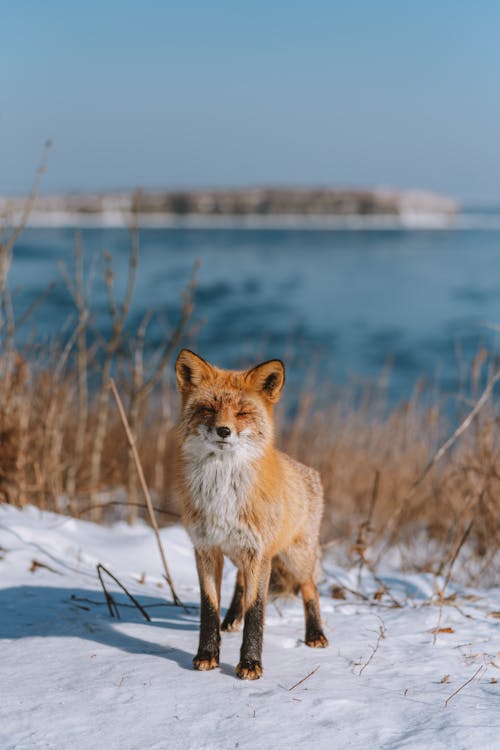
x,y
403,93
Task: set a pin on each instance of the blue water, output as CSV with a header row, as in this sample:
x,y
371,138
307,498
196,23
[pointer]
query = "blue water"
x,y
346,303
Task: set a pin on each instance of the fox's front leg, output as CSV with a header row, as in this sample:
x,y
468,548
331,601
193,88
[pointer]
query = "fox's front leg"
x,y
209,563
256,583
234,614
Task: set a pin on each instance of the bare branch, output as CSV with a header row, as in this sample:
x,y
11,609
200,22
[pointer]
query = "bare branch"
x,y
112,503
381,635
479,672
304,678
109,598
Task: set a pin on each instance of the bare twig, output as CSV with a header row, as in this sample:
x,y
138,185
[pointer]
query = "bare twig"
x,y
365,528
459,546
480,671
381,635
112,606
147,496
161,438
442,590
125,503
359,594
155,605
35,564
35,304
7,245
461,428
304,678
109,598
363,541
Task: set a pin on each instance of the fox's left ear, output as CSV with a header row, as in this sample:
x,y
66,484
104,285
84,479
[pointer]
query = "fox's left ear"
x,y
191,370
268,379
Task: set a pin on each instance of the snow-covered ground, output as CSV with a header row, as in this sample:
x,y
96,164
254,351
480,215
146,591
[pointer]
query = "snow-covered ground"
x,y
73,678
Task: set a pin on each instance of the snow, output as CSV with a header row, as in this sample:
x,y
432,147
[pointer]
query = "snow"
x,y
73,677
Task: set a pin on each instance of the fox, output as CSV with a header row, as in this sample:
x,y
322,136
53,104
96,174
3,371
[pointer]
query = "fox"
x,y
243,499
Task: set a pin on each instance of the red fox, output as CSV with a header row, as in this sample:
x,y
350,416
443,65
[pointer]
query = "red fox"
x,y
243,498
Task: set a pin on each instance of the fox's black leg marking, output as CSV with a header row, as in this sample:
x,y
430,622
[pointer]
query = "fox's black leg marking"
x,y
209,644
314,631
234,614
209,564
250,665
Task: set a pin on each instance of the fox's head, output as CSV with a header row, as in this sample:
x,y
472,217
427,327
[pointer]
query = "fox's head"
x,y
226,411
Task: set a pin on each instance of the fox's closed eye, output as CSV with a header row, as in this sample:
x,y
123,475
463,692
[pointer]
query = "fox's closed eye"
x,y
208,410
243,414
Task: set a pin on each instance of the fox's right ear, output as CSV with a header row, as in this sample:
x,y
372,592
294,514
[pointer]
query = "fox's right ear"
x,y
191,370
268,379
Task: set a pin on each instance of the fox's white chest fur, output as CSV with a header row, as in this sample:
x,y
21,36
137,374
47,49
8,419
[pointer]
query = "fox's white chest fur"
x,y
219,484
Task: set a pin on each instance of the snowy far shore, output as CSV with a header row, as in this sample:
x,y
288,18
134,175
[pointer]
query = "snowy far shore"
x,y
410,676
257,207
125,219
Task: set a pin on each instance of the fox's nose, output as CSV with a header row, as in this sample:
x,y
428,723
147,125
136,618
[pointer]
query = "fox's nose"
x,y
223,432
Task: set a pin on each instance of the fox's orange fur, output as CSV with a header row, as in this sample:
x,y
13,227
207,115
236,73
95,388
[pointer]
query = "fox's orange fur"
x,y
243,498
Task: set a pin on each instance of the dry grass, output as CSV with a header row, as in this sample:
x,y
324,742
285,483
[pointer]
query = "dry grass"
x,y
39,423
378,495
387,488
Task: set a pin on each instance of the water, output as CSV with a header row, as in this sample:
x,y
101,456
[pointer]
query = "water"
x,y
347,303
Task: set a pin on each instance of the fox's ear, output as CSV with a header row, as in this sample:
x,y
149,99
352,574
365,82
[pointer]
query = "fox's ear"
x,y
191,370
268,379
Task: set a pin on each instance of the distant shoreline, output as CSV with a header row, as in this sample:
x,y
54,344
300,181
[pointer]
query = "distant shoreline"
x,y
125,219
353,222
253,209
261,206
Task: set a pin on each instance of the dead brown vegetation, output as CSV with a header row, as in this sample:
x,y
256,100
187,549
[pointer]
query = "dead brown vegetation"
x,y
388,486
408,481
380,493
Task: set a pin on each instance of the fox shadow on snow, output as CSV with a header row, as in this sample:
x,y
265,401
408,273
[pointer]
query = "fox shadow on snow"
x,y
46,611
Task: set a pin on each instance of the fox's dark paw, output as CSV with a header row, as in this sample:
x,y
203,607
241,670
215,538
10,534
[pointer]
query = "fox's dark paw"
x,y
204,662
249,669
230,624
317,640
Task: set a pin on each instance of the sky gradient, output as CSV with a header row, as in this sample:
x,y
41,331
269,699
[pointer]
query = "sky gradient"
x,y
402,94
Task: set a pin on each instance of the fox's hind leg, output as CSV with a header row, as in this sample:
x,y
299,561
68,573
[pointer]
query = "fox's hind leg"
x,y
301,562
314,631
234,614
